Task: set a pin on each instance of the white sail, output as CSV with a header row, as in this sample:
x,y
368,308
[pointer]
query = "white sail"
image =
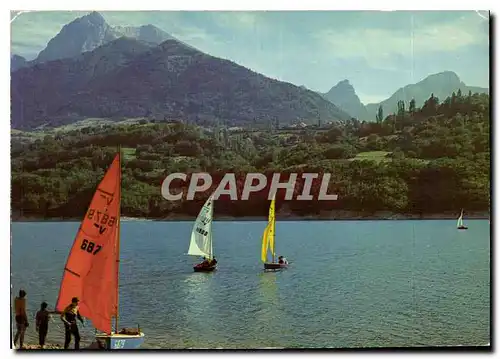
x,y
201,236
460,221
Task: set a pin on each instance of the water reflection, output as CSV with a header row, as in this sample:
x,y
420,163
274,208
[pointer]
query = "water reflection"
x,y
268,289
267,296
197,292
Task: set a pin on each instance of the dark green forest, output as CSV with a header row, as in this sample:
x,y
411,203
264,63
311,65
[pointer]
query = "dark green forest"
x,y
418,161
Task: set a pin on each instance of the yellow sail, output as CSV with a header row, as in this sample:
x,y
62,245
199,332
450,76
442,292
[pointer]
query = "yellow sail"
x,y
271,224
268,235
265,244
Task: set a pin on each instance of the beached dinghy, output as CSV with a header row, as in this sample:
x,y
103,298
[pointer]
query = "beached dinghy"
x,y
460,222
92,271
268,242
201,238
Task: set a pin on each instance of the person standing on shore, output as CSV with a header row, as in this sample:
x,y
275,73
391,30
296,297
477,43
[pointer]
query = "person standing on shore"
x,y
69,316
21,318
42,323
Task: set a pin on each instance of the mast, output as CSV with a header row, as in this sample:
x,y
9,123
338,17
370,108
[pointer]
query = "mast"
x,y
274,227
211,220
118,223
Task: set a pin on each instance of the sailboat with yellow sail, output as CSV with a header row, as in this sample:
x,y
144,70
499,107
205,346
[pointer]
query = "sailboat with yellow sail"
x,y
92,270
268,242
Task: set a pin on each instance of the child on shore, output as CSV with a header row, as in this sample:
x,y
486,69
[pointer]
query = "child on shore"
x,y
42,323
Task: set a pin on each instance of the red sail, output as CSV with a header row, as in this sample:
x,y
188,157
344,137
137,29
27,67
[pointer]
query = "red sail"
x,y
91,269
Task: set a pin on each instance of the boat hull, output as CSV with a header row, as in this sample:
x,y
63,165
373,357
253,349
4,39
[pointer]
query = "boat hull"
x,y
462,227
199,268
275,266
120,341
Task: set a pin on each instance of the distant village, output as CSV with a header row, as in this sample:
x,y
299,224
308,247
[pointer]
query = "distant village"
x,y
297,125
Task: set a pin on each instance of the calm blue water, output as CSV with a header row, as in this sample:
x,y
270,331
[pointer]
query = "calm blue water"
x,y
350,283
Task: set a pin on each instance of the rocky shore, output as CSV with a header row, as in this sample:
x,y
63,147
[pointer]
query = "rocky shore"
x,y
37,347
92,346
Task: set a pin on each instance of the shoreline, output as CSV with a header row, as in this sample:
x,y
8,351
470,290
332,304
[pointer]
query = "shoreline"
x,y
350,216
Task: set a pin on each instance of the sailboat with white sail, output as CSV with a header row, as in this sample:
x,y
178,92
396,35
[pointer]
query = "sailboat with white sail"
x,y
201,238
268,242
460,221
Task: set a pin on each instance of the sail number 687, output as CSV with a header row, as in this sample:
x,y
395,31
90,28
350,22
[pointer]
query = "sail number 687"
x,y
90,247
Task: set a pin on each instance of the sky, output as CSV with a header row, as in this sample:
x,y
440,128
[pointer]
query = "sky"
x,y
377,51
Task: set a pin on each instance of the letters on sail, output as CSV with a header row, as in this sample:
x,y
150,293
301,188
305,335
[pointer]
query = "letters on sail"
x,y
201,236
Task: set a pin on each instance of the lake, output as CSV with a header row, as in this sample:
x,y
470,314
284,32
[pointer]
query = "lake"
x,y
349,284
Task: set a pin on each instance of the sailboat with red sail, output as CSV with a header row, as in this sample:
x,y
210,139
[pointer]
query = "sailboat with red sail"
x,y
92,269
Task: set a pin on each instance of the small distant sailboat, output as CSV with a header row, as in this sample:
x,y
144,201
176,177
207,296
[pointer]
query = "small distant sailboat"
x,y
460,222
92,269
268,242
201,238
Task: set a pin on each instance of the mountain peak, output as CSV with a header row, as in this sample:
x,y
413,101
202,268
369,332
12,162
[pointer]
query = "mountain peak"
x,y
344,96
448,76
94,17
91,31
344,83
81,35
446,73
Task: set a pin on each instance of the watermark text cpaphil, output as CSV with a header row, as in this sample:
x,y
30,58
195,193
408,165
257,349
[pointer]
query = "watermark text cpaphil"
x,y
253,183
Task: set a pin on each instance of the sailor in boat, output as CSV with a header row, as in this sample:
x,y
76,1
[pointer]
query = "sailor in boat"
x,y
282,260
69,316
213,262
205,262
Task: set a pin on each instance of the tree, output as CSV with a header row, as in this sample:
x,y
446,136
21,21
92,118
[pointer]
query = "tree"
x,y
380,114
412,106
430,106
401,108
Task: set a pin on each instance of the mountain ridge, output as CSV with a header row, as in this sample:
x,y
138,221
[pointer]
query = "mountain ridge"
x,y
170,80
441,84
90,32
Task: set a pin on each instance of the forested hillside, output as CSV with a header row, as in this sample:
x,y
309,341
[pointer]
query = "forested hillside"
x,y
429,160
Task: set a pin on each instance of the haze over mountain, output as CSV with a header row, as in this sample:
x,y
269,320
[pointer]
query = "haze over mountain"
x,y
344,97
128,78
